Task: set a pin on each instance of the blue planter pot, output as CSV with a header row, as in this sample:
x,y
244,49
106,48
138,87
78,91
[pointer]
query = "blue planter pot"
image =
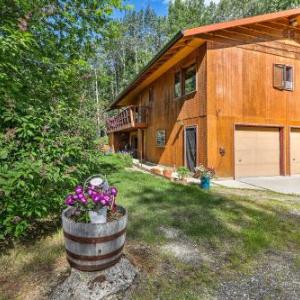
x,y
205,183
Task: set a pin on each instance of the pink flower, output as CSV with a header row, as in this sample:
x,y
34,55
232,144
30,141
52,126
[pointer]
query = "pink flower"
x,y
69,200
79,189
113,191
83,200
91,192
96,198
106,199
81,196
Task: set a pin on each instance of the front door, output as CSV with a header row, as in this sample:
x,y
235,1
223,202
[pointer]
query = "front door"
x,y
190,148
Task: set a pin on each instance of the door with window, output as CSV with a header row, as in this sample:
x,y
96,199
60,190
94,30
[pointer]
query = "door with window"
x,y
190,145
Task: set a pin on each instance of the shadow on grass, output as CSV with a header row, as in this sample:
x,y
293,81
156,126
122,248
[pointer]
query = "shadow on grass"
x,y
41,262
220,222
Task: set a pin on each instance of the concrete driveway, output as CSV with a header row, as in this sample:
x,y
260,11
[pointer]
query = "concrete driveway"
x,y
280,184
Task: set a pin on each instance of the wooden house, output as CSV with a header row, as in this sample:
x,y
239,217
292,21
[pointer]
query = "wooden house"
x,y
225,95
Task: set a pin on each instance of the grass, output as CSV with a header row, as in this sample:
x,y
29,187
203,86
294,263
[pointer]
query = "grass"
x,y
236,229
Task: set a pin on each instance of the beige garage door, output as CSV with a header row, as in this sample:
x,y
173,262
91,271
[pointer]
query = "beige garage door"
x,y
295,151
257,152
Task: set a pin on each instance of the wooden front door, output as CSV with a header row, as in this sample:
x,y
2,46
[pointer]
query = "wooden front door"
x,y
190,144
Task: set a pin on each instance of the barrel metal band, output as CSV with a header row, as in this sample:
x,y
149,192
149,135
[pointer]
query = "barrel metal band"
x,y
94,258
94,240
93,268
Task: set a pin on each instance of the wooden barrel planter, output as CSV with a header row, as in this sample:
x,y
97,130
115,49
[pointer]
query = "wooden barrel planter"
x,y
94,247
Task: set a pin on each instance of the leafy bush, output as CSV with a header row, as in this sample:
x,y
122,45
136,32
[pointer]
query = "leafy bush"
x,y
43,154
47,105
125,158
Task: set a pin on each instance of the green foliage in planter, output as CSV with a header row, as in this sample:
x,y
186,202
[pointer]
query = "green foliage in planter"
x,y
183,172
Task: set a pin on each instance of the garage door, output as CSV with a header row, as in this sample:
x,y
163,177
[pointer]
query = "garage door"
x,y
257,152
295,151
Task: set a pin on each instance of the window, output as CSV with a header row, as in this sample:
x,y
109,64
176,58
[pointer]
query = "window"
x,y
160,138
150,96
177,86
185,82
283,77
190,80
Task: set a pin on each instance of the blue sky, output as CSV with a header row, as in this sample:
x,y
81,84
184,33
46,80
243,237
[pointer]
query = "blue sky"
x,y
160,6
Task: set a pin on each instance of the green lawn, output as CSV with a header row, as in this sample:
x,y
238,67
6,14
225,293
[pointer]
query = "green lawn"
x,y
233,230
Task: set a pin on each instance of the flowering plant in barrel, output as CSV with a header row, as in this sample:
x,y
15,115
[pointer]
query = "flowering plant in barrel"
x,y
94,197
94,226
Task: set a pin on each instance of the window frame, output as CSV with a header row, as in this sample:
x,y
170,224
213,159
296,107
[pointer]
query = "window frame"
x,y
284,86
156,138
285,78
150,95
180,84
184,79
182,74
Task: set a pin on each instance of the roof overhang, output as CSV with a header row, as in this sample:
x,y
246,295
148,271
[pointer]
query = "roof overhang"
x,y
185,42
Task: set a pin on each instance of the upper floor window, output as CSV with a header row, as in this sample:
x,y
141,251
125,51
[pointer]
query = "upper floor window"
x,y
190,80
150,95
185,81
283,77
177,85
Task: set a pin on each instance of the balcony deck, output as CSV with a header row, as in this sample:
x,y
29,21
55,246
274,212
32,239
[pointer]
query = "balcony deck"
x,y
132,117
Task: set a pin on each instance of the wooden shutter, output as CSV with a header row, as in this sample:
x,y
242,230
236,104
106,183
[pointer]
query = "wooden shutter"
x,y
278,76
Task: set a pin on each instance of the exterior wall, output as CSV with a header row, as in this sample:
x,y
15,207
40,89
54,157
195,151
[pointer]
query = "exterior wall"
x,y
173,115
240,91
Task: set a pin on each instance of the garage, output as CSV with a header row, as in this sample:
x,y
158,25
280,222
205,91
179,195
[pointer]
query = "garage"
x,y
257,151
295,151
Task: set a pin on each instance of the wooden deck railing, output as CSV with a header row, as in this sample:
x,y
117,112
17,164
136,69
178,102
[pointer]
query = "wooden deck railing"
x,y
130,118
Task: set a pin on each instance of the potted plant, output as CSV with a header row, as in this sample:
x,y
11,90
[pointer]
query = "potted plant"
x,y
94,226
205,174
167,172
183,173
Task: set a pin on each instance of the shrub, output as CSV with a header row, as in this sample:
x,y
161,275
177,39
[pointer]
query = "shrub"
x,y
183,172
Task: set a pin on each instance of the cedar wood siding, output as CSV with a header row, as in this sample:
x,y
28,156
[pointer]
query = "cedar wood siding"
x,y
166,112
234,88
240,91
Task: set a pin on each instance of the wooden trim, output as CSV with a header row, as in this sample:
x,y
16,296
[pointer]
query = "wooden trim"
x,y
94,240
240,22
258,125
93,268
184,143
282,152
96,257
255,125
